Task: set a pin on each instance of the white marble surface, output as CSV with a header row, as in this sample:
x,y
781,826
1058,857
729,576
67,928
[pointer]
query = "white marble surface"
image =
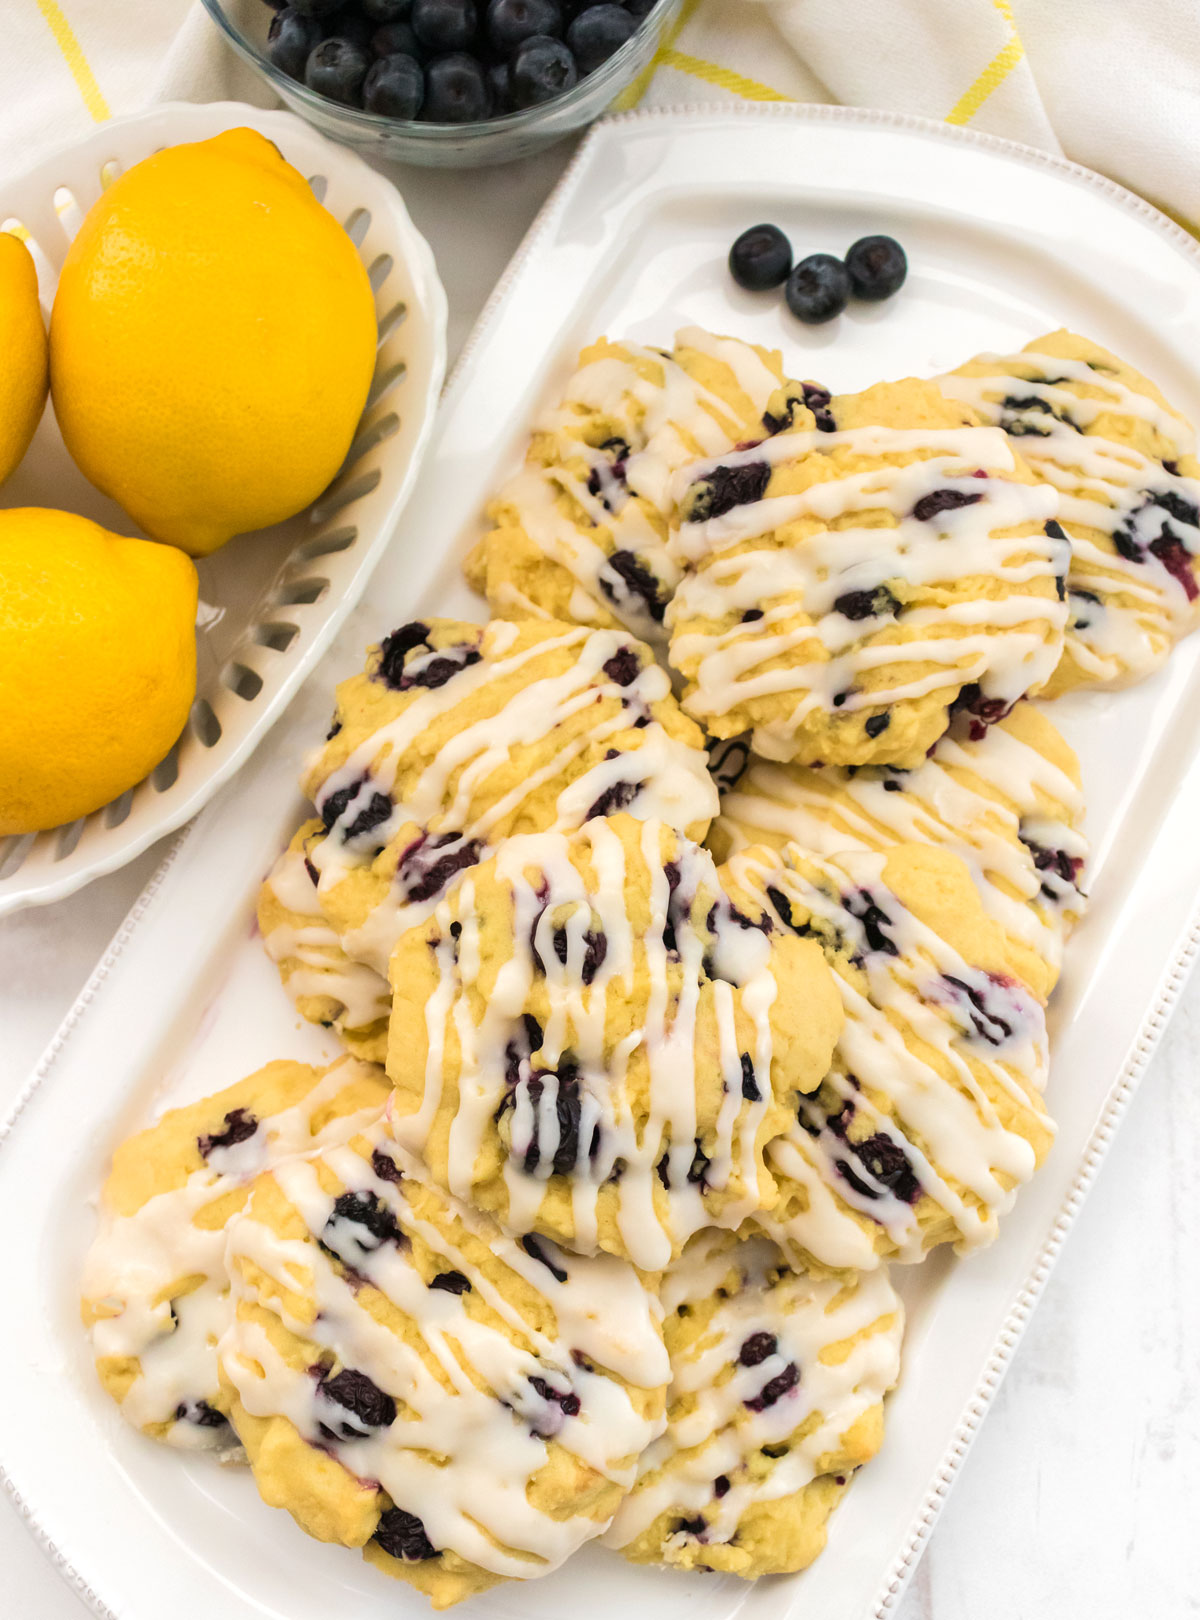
x,y
1080,1496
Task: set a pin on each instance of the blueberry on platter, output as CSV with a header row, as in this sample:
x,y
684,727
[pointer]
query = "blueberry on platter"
x,y
818,289
820,286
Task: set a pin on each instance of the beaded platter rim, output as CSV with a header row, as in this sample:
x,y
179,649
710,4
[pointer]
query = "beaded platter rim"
x,y
1151,1027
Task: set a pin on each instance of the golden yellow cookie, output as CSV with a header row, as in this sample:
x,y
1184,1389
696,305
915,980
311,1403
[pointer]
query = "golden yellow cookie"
x,y
850,583
776,1397
580,533
931,1114
1124,465
407,1380
589,1040
1006,798
156,1292
455,737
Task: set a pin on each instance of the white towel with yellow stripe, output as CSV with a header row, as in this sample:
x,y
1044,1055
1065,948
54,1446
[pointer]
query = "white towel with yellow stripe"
x,y
1114,84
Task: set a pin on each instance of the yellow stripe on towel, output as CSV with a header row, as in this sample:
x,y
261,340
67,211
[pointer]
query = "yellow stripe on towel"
x,y
994,75
724,78
85,79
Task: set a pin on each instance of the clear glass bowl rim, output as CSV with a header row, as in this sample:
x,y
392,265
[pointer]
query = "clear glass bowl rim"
x,y
611,74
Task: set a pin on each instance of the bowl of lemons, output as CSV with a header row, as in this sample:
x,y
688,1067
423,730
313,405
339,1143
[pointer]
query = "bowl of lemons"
x,y
203,452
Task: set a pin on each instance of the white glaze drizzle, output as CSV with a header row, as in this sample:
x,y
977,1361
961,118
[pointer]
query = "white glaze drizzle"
x,y
831,809
669,775
459,1457
1005,644
712,1431
968,1151
137,1261
1103,485
538,872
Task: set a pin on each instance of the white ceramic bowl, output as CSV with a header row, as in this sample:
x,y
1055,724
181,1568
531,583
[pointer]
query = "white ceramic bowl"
x,y
269,602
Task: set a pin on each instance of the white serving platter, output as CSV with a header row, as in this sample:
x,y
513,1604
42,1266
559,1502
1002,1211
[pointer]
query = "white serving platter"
x,y
1003,243
270,602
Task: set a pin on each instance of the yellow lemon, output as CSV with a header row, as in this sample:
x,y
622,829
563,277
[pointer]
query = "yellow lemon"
x,y
24,368
212,342
97,663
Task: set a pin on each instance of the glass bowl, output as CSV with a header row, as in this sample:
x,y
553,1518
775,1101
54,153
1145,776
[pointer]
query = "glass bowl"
x,y
456,146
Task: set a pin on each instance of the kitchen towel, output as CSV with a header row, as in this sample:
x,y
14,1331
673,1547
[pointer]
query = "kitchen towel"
x,y
1114,84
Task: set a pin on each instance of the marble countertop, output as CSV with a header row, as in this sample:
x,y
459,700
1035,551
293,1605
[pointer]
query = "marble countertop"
x,y
1079,1496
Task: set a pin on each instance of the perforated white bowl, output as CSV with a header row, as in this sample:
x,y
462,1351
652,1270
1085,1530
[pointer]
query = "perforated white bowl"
x,y
269,602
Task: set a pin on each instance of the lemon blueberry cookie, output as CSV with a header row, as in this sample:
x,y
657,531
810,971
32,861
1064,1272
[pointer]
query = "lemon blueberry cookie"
x,y
464,1407
777,1385
852,580
455,737
580,533
1006,798
1125,469
156,1295
589,1039
931,1113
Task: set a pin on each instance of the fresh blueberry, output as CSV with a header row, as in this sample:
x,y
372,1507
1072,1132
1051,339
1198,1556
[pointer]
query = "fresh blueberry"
x,y
597,32
395,87
336,70
445,25
543,68
760,258
877,267
291,40
385,11
315,8
640,8
817,289
396,39
350,24
456,92
511,22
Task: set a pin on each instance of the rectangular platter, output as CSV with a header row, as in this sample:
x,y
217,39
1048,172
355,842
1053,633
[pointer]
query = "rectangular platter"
x,y
1004,244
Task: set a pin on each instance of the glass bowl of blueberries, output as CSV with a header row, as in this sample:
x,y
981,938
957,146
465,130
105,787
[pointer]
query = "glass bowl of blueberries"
x,y
447,83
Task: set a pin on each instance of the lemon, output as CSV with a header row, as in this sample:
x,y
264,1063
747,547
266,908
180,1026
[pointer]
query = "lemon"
x,y
97,663
24,369
212,342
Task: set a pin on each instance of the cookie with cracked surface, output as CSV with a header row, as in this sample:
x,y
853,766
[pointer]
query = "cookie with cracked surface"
x,y
591,1040
1124,465
846,591
407,1380
931,1115
580,533
454,738
155,1288
1006,798
776,1397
